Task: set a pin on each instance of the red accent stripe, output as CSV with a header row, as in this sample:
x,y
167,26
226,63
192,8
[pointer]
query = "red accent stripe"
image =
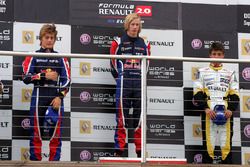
x,y
149,53
35,77
67,68
54,143
26,64
137,139
149,49
114,63
121,130
113,48
37,140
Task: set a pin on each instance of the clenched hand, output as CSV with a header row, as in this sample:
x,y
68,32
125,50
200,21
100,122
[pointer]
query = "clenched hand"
x,y
51,75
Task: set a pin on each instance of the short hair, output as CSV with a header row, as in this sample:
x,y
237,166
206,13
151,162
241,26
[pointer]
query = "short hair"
x,y
129,18
48,29
216,46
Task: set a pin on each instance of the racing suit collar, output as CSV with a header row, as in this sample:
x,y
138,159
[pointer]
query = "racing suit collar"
x,y
46,50
132,39
215,68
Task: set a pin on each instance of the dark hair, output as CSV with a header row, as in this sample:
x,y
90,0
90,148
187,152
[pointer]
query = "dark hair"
x,y
216,46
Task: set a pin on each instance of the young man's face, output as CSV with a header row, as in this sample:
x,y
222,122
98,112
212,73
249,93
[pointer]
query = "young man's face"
x,y
48,41
134,27
217,54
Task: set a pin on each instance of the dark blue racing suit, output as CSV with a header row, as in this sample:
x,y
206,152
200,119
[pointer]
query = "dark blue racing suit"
x,y
34,69
127,73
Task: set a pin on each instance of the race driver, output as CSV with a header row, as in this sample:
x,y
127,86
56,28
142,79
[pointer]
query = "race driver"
x,y
216,86
127,73
51,79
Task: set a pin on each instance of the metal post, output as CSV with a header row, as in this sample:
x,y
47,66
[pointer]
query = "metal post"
x,y
143,108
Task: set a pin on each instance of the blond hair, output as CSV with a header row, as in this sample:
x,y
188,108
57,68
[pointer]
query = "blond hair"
x,y
48,29
129,18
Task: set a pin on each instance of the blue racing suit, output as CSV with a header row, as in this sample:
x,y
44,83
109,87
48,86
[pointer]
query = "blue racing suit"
x,y
127,73
34,69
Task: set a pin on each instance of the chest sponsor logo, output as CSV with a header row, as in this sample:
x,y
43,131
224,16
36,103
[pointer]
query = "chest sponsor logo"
x,y
132,64
216,88
47,60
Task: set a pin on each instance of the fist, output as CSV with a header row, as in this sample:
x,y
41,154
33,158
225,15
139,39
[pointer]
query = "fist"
x,y
51,75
